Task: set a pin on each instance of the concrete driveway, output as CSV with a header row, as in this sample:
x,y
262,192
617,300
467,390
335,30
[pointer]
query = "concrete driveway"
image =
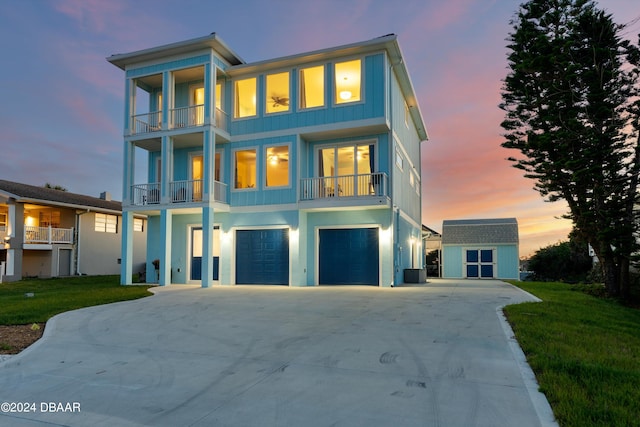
x,y
430,355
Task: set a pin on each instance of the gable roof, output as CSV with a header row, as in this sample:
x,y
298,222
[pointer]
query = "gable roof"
x,y
480,231
24,193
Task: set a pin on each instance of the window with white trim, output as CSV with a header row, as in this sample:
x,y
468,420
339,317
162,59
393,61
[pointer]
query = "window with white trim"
x,y
277,166
399,160
348,79
312,87
245,98
138,224
277,96
106,223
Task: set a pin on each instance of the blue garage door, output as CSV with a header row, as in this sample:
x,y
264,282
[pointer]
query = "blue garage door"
x,y
262,257
349,256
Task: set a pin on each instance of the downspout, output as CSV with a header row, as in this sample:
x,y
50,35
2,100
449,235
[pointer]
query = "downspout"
x,y
77,251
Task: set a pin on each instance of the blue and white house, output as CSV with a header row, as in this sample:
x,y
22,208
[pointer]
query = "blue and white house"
x,y
480,248
302,170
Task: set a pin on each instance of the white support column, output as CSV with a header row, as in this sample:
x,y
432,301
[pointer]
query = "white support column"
x,y
209,163
207,247
167,169
209,93
128,175
165,250
129,105
167,99
126,260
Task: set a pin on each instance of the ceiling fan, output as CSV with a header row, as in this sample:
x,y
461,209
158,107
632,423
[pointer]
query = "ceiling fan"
x,y
280,101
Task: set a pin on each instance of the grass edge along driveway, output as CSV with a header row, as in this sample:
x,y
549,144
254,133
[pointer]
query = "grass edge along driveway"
x,y
585,352
35,301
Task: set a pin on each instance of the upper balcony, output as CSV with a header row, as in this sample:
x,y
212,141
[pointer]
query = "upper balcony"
x,y
183,117
174,100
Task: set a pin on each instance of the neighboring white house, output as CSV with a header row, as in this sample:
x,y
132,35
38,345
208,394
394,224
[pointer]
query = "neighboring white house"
x,y
50,233
480,248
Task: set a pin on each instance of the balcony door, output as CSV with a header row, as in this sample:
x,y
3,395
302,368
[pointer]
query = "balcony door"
x,y
197,174
343,166
197,105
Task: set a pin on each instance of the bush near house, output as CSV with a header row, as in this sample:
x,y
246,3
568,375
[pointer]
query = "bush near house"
x,y
565,261
585,352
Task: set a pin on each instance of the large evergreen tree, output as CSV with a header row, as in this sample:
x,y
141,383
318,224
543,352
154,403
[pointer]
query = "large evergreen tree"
x,y
567,98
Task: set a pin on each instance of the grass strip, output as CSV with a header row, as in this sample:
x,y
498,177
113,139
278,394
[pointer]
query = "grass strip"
x,y
37,300
585,352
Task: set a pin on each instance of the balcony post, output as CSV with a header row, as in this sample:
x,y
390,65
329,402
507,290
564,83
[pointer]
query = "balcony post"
x,y
167,169
50,236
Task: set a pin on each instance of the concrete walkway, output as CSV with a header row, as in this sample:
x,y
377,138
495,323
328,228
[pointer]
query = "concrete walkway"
x,y
431,355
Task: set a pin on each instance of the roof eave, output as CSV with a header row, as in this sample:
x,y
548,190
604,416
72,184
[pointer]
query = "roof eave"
x,y
212,41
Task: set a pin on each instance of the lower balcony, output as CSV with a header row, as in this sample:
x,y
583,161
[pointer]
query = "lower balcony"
x,y
189,191
47,235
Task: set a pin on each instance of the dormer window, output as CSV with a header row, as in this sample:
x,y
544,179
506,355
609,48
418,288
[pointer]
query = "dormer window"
x,y
348,77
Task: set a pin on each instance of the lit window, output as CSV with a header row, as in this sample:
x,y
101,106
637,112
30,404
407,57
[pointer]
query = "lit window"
x,y
277,99
277,166
3,222
219,96
345,170
348,78
138,224
245,103
50,219
197,105
245,166
106,223
312,87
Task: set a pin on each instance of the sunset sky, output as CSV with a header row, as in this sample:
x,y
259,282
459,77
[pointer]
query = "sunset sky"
x,y
61,109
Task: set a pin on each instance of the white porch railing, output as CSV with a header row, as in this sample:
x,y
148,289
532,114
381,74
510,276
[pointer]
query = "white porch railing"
x,y
180,191
372,184
147,122
47,234
145,194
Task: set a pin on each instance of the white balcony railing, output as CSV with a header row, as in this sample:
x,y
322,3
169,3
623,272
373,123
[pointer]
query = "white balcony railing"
x,y
180,117
47,235
221,119
188,116
364,185
145,194
180,191
147,122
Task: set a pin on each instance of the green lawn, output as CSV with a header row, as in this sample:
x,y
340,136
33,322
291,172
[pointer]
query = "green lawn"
x,y
585,352
53,296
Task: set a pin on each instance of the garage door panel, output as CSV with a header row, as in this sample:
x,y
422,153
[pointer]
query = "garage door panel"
x,y
262,256
349,256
